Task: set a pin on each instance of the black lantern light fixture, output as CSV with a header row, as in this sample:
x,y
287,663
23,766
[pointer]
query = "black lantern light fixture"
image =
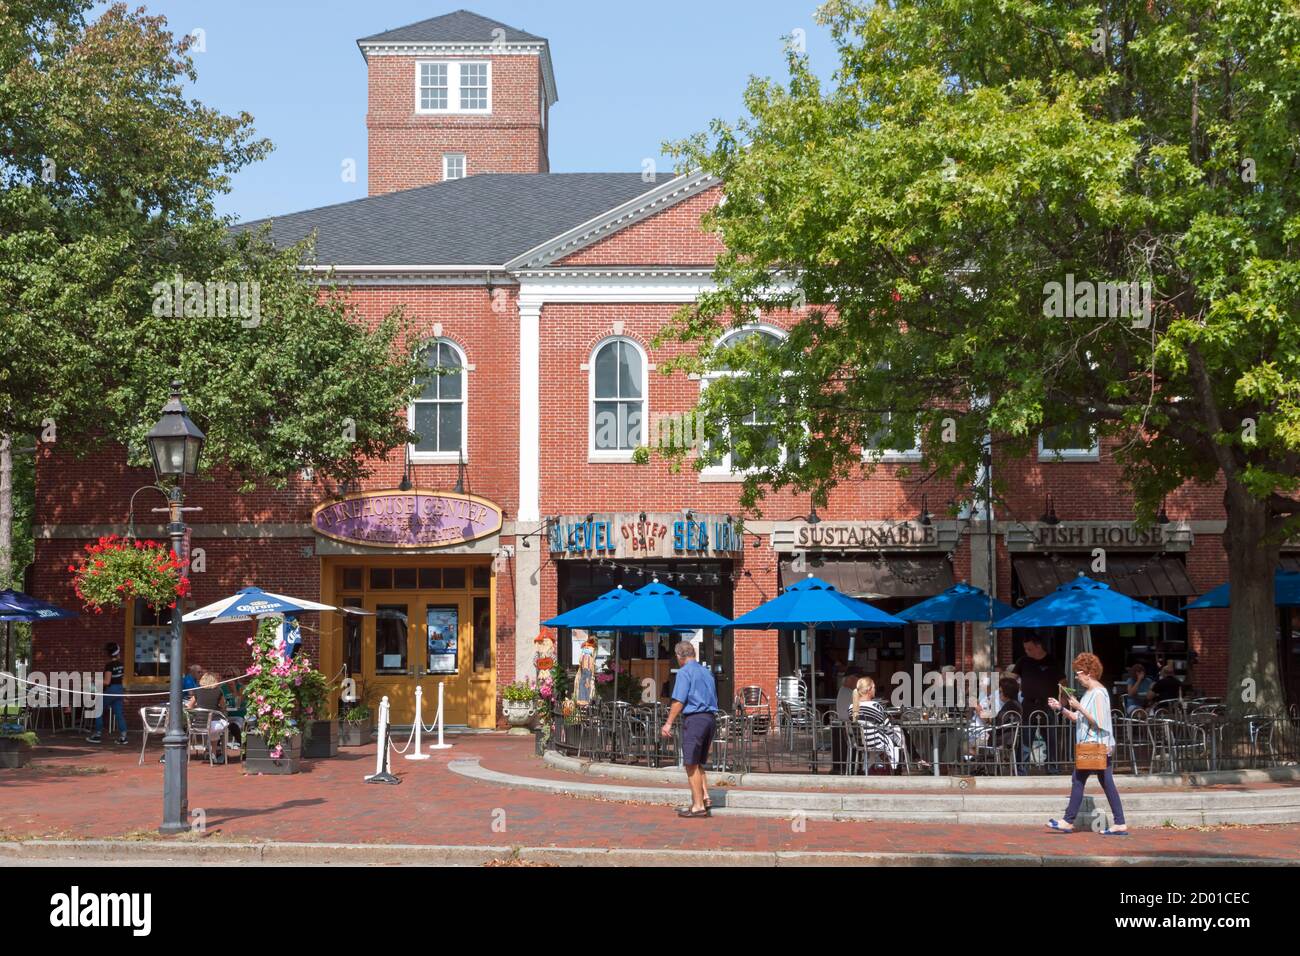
x,y
175,443
1049,512
925,520
1163,516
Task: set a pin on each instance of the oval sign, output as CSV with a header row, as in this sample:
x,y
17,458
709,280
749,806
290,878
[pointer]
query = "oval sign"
x,y
407,519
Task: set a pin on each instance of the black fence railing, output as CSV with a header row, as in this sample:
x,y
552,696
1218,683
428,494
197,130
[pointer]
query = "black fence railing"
x,y
934,742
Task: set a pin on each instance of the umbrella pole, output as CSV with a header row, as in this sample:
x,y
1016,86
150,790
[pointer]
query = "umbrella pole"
x,y
812,688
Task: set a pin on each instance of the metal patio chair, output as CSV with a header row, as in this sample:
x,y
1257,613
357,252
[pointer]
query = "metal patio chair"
x,y
153,721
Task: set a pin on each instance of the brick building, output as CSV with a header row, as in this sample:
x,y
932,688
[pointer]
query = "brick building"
x,y
545,291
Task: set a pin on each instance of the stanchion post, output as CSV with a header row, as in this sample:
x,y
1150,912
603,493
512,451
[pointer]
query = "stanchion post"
x,y
381,774
416,753
440,745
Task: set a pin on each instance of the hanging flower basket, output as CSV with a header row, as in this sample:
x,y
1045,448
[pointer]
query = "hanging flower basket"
x,y
115,570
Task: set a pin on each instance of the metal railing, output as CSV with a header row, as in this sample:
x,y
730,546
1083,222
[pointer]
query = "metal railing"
x,y
945,742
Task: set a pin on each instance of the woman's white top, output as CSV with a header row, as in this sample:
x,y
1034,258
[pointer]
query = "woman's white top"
x,y
1097,704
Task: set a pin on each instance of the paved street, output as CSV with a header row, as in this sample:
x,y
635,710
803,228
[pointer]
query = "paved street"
x,y
80,791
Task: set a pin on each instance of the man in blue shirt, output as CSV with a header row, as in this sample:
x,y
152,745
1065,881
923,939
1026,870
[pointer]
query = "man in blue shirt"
x,y
695,700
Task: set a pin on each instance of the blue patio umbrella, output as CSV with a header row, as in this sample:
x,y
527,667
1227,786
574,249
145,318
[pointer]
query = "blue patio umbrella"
x,y
588,616
960,603
1286,593
17,606
658,607
1084,602
809,604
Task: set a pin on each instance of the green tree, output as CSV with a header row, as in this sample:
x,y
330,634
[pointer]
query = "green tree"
x,y
108,174
968,154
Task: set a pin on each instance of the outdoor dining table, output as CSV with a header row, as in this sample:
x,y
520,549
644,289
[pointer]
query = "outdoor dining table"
x,y
935,728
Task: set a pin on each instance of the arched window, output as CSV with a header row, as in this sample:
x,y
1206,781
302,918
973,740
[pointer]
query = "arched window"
x,y
618,399
439,415
732,463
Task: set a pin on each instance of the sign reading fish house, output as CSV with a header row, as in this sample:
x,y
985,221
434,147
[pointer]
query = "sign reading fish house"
x,y
407,519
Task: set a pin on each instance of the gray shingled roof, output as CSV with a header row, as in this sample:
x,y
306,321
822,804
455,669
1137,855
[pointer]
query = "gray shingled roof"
x,y
480,220
459,27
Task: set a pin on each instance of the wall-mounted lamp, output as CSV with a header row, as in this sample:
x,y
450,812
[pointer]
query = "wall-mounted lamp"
x,y
1049,512
924,519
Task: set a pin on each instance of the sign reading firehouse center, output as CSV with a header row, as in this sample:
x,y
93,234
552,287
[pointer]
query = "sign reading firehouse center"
x,y
407,519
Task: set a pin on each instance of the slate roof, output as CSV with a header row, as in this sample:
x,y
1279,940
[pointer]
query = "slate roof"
x,y
487,219
459,27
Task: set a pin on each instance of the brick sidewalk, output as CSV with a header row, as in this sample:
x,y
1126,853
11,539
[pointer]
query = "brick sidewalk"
x,y
78,790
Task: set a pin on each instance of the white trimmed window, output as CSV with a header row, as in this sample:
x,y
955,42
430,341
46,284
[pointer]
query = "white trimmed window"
x,y
732,464
618,400
453,86
1069,444
433,87
453,166
440,416
874,447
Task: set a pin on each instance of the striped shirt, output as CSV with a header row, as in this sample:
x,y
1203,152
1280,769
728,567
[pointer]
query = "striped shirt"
x,y
1097,705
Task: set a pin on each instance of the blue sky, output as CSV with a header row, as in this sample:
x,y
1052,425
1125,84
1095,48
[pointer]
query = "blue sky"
x,y
630,76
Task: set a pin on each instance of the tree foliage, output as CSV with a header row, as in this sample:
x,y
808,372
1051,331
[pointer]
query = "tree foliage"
x,y
108,174
968,154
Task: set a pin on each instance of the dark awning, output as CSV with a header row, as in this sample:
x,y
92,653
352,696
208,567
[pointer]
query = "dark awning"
x,y
1138,577
910,576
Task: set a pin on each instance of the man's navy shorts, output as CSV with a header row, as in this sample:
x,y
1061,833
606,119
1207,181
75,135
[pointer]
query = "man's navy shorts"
x,y
697,737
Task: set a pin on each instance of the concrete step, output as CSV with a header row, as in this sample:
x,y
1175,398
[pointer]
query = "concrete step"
x,y
1188,807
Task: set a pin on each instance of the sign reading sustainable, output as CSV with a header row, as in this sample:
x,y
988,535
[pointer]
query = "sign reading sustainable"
x,y
407,519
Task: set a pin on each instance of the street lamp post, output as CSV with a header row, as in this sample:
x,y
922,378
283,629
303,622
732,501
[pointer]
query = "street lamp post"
x,y
174,446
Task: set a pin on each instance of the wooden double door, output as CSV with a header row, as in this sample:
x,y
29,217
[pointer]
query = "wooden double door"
x,y
414,635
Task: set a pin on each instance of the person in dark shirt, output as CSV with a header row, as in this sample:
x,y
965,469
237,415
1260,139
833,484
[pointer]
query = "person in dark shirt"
x,y
114,674
1039,675
1168,687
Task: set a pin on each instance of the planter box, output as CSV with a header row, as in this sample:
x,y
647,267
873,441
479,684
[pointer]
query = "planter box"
x,y
257,756
355,733
14,753
322,739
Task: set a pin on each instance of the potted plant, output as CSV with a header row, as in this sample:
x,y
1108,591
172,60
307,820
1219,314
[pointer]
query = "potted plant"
x,y
519,704
16,746
279,694
320,733
356,726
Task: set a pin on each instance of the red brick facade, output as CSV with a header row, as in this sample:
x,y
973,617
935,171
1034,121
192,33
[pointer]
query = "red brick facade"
x,y
405,151
407,148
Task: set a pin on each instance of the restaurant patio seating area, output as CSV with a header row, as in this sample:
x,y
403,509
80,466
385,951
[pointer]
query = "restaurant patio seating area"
x,y
759,737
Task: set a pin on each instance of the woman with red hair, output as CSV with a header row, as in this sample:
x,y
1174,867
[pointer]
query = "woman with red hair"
x,y
1091,718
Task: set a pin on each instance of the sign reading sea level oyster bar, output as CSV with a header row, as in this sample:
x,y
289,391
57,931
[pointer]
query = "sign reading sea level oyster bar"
x,y
407,519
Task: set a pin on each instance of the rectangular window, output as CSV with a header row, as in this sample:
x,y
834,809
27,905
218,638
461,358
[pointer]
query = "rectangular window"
x,y
474,86
352,636
482,577
1078,443
151,635
381,579
433,86
430,578
390,639
482,634
453,86
877,445
453,166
